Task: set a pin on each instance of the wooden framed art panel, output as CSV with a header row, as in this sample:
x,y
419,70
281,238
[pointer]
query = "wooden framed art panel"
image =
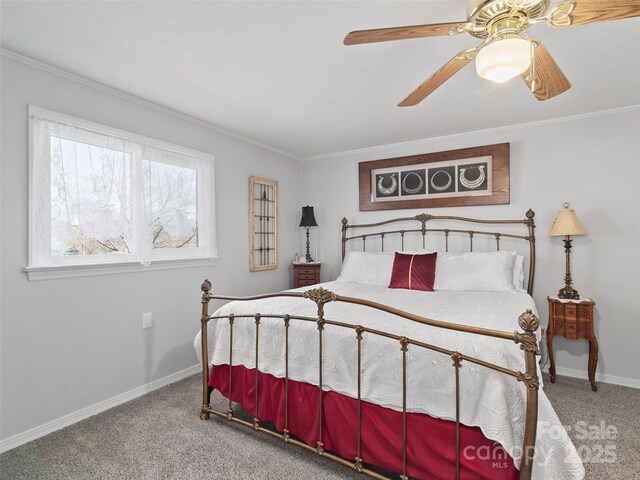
x,y
263,224
468,176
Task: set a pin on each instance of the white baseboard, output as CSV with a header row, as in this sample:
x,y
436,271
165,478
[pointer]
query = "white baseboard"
x,y
600,377
70,419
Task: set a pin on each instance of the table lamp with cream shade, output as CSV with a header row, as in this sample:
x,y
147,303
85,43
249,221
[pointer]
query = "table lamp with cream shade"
x,y
566,224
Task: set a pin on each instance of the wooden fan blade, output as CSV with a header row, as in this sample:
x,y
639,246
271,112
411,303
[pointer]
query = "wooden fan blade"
x,y
582,12
402,33
549,81
438,78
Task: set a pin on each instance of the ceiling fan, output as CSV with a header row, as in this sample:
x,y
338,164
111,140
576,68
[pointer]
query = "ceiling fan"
x,y
506,51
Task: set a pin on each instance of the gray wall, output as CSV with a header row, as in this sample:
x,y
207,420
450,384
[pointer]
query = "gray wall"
x,y
591,162
71,343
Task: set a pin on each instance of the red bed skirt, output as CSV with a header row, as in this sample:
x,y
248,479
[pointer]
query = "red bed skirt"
x,y
431,452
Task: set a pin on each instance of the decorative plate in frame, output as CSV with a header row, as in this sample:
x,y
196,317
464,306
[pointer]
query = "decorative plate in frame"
x,y
263,224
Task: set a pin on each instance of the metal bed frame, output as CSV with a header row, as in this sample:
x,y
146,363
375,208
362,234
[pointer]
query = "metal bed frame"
x,y
527,340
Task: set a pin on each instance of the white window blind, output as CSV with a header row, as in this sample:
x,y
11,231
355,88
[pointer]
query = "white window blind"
x,y
100,195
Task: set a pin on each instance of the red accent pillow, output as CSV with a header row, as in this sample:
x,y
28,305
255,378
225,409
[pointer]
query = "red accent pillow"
x,y
414,272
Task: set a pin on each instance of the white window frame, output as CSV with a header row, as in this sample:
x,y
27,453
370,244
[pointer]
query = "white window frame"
x,y
78,266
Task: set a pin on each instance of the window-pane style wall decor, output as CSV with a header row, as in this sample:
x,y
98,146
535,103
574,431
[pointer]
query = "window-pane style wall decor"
x,y
263,223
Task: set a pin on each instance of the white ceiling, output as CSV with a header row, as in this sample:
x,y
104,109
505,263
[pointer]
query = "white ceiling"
x,y
277,71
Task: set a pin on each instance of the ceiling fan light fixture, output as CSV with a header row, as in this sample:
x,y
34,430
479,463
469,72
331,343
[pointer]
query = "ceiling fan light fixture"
x,y
504,59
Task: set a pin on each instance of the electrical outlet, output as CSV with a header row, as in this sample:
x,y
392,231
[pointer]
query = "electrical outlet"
x,y
147,319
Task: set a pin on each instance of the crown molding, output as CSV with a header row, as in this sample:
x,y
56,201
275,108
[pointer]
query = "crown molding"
x,y
368,151
138,100
380,149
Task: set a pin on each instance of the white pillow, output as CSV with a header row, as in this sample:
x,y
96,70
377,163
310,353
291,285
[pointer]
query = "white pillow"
x,y
475,271
518,272
372,268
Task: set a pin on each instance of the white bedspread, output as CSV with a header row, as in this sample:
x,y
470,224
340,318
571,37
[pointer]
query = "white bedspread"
x,y
490,400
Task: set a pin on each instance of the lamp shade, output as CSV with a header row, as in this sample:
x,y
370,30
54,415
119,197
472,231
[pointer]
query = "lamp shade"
x,y
504,59
566,223
308,218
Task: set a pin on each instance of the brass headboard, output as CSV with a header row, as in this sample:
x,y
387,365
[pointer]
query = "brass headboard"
x,y
423,218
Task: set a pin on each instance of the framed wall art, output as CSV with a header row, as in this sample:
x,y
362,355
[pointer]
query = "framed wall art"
x,y
469,176
263,224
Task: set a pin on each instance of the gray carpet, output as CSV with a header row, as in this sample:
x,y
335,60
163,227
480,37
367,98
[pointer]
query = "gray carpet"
x,y
612,406
159,436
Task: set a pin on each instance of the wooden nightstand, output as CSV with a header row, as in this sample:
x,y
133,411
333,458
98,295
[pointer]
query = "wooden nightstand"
x,y
305,274
572,319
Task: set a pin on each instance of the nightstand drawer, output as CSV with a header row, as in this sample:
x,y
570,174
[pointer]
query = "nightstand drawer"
x,y
584,313
302,276
571,330
559,311
306,282
559,326
565,310
307,271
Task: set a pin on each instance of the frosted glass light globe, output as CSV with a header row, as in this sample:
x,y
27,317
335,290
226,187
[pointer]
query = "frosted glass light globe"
x,y
504,59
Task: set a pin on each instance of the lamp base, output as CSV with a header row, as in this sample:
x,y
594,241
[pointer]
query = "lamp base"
x,y
308,255
568,293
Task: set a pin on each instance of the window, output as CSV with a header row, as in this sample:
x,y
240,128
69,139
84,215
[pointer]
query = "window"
x,y
103,196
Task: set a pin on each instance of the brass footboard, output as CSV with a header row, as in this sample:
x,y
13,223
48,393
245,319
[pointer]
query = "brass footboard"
x,y
527,340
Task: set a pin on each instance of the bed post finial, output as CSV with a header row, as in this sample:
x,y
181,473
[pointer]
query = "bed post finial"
x,y
529,323
529,221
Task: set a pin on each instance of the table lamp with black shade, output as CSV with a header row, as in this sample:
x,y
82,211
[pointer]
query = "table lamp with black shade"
x,y
566,224
308,220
